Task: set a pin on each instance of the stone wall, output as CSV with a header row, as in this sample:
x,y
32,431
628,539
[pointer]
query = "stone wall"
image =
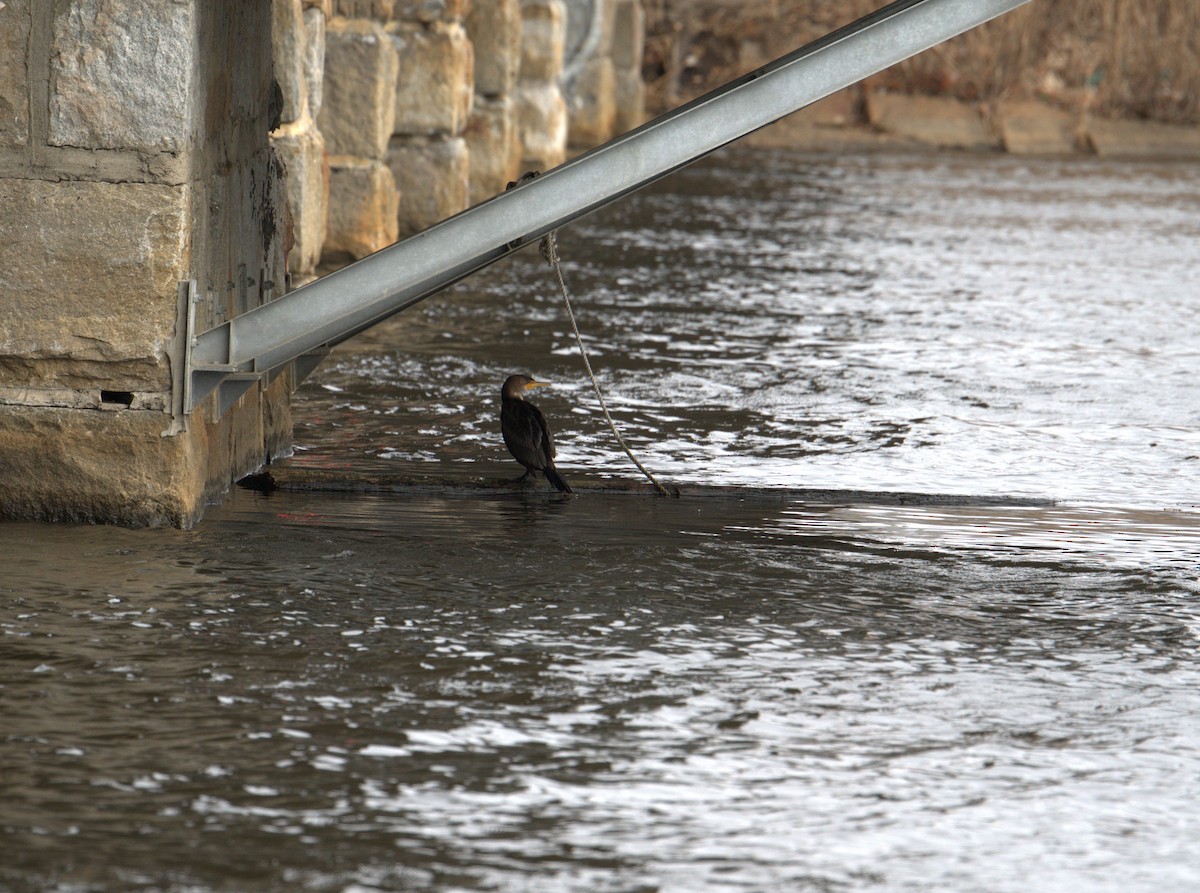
x,y
145,142
400,113
133,155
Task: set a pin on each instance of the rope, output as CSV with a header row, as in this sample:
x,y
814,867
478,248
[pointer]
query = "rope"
x,y
550,253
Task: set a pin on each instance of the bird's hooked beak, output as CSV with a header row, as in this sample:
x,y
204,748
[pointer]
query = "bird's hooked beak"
x,y
531,384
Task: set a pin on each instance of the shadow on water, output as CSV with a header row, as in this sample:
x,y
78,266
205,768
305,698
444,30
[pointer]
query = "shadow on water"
x,y
495,688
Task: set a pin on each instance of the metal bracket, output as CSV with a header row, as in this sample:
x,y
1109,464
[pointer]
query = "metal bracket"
x,y
229,381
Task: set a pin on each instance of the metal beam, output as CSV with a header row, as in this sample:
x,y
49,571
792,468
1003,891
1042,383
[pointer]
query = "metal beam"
x,y
344,303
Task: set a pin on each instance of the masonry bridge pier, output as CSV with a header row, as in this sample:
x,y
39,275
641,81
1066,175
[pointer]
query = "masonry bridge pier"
x,y
160,204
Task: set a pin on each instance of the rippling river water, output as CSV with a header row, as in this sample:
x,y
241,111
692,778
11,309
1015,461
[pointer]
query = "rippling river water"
x,y
992,684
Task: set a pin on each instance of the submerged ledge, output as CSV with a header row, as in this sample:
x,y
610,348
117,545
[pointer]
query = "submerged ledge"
x,y
288,479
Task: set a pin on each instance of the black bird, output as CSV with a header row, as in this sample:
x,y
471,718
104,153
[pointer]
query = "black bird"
x,y
525,431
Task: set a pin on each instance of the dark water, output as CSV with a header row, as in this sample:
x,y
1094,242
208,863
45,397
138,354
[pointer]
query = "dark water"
x,y
464,689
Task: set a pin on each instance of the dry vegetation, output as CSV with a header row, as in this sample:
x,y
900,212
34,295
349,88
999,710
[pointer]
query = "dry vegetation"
x,y
1121,58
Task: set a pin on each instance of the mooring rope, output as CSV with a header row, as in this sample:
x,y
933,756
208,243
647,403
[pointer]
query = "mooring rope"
x,y
550,253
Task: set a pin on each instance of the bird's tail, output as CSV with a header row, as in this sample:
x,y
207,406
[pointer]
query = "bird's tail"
x,y
556,479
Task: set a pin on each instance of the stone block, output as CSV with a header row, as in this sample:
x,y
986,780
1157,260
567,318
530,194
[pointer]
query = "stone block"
x,y
302,150
543,35
363,204
592,104
629,35
1141,139
380,10
288,40
123,467
1033,128
541,125
493,148
432,10
358,108
927,119
121,75
435,87
14,73
433,175
87,466
495,30
67,288
314,58
630,94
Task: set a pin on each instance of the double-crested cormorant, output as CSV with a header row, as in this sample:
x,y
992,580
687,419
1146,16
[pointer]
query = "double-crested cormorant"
x,y
525,431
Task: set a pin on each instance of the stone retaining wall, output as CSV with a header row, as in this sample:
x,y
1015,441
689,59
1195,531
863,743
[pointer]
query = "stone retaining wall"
x,y
145,142
864,117
133,155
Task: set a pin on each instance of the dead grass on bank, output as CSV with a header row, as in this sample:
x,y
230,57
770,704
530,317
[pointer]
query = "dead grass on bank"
x,y
1119,58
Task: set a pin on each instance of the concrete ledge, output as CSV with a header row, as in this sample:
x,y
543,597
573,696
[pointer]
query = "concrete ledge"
x,y
1025,128
927,119
288,478
1034,128
1142,139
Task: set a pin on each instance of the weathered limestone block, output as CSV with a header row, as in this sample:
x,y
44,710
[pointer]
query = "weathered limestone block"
x,y
435,87
541,125
494,27
67,288
630,97
432,10
14,73
288,39
302,150
363,207
359,105
314,58
84,465
433,175
592,107
543,35
493,147
629,35
121,74
928,119
118,467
